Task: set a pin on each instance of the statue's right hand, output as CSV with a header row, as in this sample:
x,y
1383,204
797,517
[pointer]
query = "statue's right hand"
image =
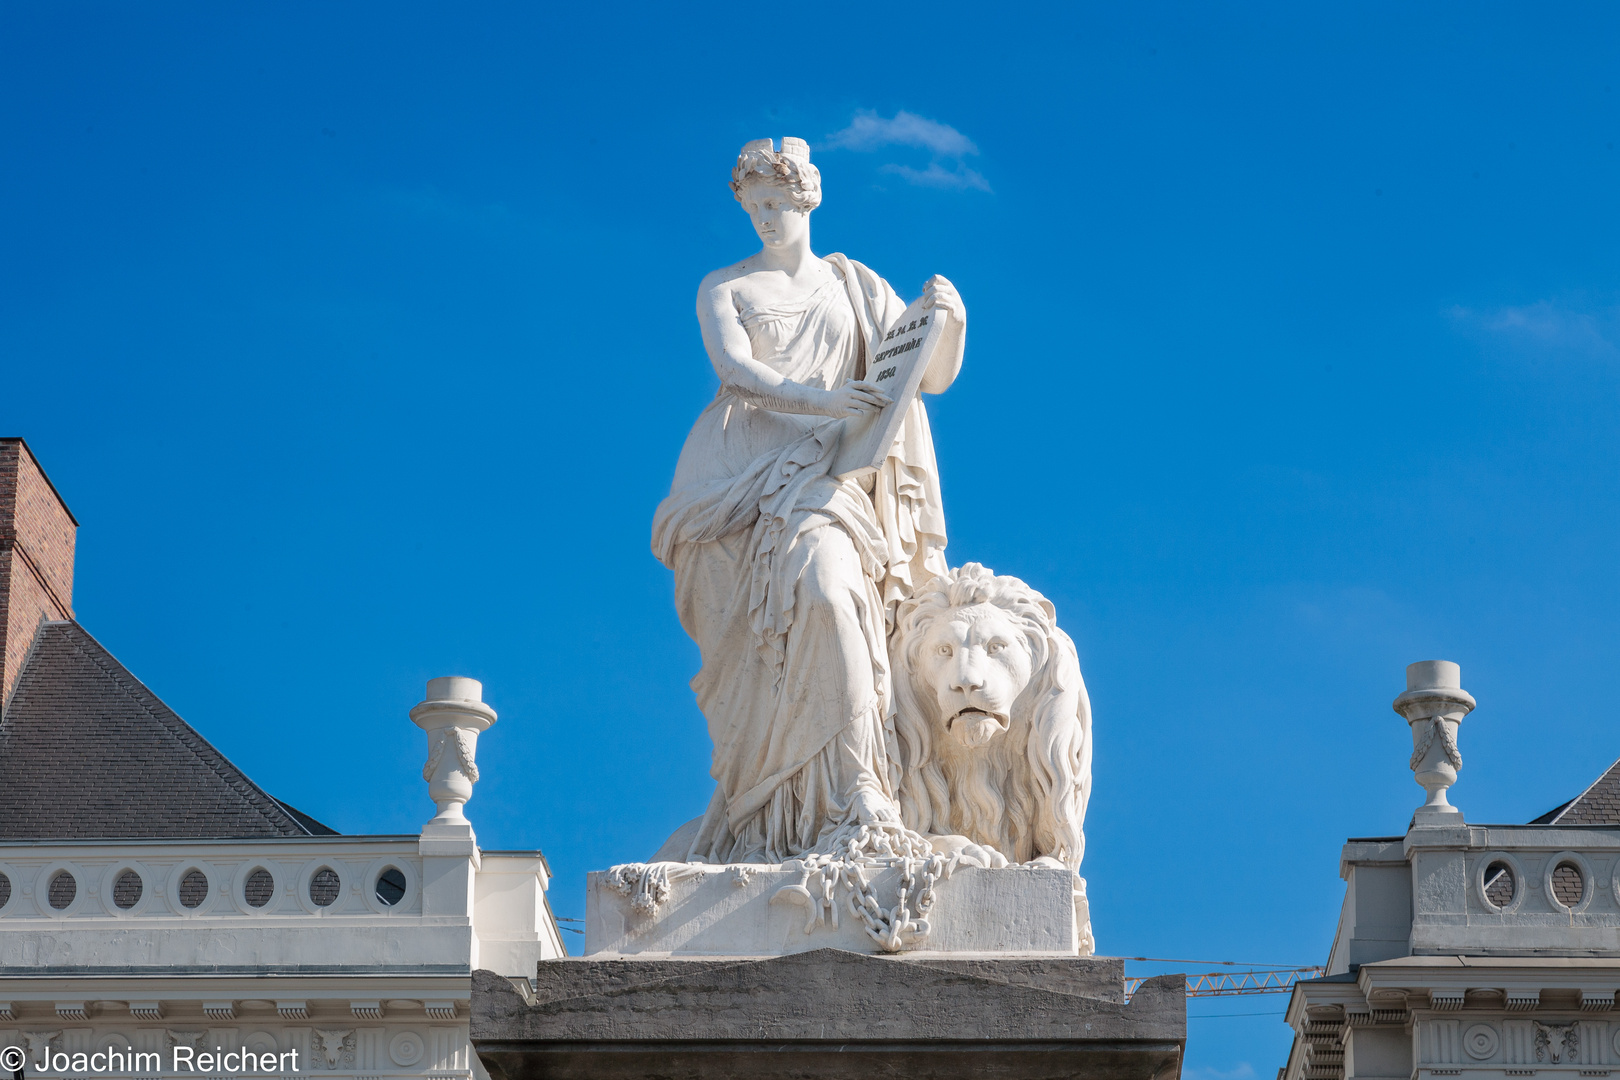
x,y
854,398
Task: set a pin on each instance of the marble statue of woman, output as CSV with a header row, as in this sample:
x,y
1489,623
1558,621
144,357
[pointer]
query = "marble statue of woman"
x,y
786,577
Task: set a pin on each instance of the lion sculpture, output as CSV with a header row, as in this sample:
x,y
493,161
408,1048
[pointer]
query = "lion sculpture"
x,y
992,724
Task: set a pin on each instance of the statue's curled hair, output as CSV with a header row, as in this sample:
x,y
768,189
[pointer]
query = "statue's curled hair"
x,y
794,174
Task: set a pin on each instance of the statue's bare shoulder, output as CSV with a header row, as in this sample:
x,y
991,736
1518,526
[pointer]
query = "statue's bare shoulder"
x,y
753,284
726,287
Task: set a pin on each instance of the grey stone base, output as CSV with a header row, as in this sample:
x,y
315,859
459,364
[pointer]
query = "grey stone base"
x,y
829,1014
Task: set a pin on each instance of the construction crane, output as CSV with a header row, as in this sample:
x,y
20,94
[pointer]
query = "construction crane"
x,y
1257,979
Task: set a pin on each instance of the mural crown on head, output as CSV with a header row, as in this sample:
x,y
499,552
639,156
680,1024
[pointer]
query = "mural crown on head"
x,y
797,149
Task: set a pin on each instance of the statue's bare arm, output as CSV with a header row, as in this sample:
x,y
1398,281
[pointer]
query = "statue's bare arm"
x,y
939,293
754,382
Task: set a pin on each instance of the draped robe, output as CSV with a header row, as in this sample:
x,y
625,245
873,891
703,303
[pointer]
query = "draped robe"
x,y
787,578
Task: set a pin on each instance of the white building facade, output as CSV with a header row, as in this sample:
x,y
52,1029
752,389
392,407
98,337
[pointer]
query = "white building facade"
x,y
297,947
178,910
1472,951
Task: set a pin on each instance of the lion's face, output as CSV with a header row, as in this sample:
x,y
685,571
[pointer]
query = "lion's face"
x,y
977,662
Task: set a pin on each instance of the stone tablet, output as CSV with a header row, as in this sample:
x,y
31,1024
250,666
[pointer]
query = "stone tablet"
x,y
896,366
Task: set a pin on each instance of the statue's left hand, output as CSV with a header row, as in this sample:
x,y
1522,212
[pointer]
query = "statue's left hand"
x,y
939,293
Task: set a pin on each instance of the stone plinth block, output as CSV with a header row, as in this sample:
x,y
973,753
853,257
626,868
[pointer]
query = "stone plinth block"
x,y
744,911
829,1014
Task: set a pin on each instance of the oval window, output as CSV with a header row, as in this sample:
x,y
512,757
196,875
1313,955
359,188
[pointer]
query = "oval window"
x,y
193,889
391,886
127,890
259,887
1499,884
62,890
1567,884
324,886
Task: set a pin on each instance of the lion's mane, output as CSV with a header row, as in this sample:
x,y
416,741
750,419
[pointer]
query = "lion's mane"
x,y
1025,794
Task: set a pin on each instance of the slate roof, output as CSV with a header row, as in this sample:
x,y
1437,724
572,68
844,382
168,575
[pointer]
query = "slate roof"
x,y
1597,805
88,752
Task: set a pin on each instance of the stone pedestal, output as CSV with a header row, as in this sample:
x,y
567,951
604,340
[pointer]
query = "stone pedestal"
x,y
743,911
829,1014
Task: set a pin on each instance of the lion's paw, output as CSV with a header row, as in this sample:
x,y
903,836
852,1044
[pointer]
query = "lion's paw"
x,y
967,852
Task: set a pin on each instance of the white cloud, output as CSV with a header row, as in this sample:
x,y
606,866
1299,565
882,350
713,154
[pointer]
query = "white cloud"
x,y
960,178
946,146
869,131
1548,327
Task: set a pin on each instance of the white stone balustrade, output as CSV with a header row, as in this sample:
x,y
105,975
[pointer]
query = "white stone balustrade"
x,y
1515,890
331,900
136,881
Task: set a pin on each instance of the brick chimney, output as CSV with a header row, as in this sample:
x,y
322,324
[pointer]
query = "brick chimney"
x,y
36,557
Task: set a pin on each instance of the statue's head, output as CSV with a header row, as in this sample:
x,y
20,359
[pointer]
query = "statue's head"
x,y
778,188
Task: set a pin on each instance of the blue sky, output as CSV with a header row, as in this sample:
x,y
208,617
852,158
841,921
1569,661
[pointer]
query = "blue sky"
x,y
360,339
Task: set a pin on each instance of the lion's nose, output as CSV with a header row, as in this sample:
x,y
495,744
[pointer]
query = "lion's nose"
x,y
967,681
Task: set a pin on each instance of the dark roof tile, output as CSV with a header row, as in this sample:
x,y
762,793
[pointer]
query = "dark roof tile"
x,y
88,752
1597,805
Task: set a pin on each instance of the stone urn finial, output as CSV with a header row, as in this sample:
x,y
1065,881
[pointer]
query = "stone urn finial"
x,y
453,715
1434,705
